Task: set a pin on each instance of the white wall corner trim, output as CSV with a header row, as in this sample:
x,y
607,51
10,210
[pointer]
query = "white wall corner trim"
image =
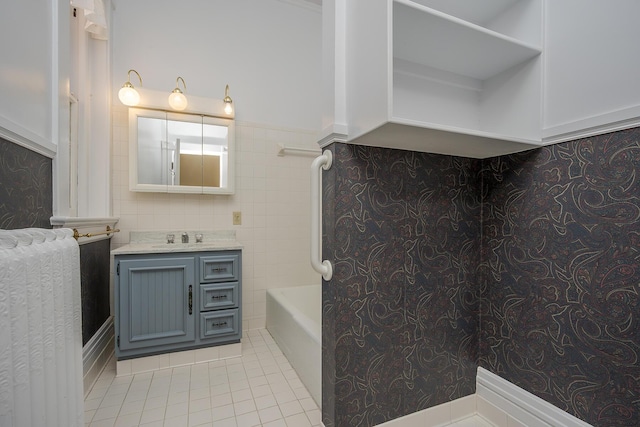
x,y
96,354
525,407
612,121
27,139
334,133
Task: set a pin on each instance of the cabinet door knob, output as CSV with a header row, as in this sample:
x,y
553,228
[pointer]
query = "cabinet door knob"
x,y
218,296
190,299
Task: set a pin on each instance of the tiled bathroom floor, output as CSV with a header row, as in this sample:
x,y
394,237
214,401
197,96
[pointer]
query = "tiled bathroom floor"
x,y
260,388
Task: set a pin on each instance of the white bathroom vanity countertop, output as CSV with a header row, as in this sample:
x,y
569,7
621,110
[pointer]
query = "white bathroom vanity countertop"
x,y
145,242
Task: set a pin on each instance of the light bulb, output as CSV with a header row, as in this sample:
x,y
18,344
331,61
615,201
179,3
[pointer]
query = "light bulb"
x,y
128,95
177,100
228,108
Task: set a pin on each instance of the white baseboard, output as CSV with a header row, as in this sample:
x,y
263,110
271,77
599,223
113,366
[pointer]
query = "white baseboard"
x,y
528,409
174,359
96,353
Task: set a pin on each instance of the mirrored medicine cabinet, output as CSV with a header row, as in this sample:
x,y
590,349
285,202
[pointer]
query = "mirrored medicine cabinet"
x,y
180,152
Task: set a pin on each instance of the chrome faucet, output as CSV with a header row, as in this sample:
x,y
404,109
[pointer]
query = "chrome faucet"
x,y
185,237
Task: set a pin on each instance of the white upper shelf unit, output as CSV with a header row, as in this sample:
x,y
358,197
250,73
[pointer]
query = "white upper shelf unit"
x,y
427,36
445,68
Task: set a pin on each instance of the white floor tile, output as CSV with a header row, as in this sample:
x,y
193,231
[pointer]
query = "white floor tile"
x,y
244,407
250,419
221,400
270,414
103,423
222,412
104,413
299,420
229,422
199,405
315,416
200,418
150,415
129,420
177,410
264,402
276,423
131,407
181,421
242,395
291,408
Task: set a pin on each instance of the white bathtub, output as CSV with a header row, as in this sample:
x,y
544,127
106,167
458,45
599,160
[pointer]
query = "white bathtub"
x,y
294,320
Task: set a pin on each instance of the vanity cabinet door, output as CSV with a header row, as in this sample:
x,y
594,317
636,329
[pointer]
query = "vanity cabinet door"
x,y
156,302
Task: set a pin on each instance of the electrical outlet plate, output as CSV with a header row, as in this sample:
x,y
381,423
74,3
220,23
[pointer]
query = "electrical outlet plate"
x,y
237,218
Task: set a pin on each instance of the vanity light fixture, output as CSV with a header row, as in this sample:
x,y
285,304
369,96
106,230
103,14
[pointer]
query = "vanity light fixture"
x,y
177,100
228,108
127,94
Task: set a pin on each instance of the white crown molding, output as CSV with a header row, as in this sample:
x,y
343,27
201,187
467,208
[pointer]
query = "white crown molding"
x,y
611,121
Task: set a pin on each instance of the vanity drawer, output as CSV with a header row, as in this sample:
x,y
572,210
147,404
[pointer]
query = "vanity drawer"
x,y
219,268
219,324
216,296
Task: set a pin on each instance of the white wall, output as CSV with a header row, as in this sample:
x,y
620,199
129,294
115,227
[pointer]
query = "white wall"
x,y
272,63
592,57
268,51
29,73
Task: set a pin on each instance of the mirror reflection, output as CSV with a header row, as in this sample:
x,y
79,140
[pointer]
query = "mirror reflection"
x,y
181,152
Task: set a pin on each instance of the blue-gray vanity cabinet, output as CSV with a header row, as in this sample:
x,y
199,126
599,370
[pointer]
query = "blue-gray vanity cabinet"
x,y
176,301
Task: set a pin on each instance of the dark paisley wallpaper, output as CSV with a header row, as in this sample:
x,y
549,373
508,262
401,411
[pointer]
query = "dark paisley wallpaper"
x,y
26,188
401,313
560,310
94,276
527,265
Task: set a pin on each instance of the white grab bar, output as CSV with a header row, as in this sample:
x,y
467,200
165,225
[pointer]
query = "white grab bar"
x,y
319,164
283,150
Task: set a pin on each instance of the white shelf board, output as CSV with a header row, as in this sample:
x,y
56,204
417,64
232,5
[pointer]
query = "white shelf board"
x,y
478,12
435,39
433,138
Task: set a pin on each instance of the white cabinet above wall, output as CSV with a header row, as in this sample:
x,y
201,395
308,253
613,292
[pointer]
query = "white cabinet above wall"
x,y
451,77
481,78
